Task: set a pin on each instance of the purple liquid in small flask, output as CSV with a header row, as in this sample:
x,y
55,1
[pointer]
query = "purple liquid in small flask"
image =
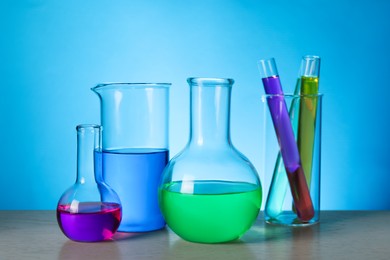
x,y
90,210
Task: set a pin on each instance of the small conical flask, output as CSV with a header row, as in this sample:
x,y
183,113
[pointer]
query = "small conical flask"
x,y
210,192
90,210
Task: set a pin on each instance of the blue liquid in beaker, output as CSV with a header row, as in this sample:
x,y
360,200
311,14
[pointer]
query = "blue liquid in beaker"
x,y
135,175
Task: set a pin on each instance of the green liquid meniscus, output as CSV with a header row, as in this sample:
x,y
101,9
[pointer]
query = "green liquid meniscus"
x,y
210,211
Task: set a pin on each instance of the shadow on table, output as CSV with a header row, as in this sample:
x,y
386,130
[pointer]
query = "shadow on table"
x,y
262,232
181,249
271,240
116,248
139,235
330,221
97,250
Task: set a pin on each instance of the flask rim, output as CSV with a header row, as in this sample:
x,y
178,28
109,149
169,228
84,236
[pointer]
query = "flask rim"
x,y
311,57
81,127
204,81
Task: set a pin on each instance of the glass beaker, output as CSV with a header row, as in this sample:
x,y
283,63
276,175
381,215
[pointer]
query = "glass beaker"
x,y
210,192
90,210
135,148
280,208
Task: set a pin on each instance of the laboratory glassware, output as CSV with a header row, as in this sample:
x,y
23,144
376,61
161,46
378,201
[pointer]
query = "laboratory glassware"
x,y
135,148
210,192
90,210
286,139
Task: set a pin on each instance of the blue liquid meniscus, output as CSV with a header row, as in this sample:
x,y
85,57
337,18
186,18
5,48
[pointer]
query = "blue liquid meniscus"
x,y
135,175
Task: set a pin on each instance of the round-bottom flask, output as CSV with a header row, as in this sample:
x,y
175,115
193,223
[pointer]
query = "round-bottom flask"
x,y
90,210
210,192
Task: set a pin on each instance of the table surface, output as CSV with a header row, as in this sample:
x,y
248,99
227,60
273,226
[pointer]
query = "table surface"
x,y
339,235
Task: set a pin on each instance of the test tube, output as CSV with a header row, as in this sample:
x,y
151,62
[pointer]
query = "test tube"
x,y
279,182
286,140
310,72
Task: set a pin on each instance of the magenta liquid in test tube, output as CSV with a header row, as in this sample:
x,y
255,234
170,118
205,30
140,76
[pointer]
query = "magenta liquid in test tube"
x,y
286,140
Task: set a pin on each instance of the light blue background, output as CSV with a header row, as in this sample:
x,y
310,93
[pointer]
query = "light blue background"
x,y
53,52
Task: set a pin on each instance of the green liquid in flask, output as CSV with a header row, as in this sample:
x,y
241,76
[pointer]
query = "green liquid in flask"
x,y
210,211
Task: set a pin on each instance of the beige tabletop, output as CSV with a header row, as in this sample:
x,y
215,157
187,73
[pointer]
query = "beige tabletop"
x,y
340,235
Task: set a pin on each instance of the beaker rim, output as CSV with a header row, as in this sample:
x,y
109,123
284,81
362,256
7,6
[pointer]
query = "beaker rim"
x,y
131,85
292,96
210,81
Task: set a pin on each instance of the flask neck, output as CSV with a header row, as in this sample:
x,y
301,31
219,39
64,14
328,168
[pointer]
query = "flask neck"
x,y
88,142
210,115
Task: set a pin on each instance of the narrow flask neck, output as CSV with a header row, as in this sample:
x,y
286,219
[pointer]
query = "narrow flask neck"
x,y
88,141
210,115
